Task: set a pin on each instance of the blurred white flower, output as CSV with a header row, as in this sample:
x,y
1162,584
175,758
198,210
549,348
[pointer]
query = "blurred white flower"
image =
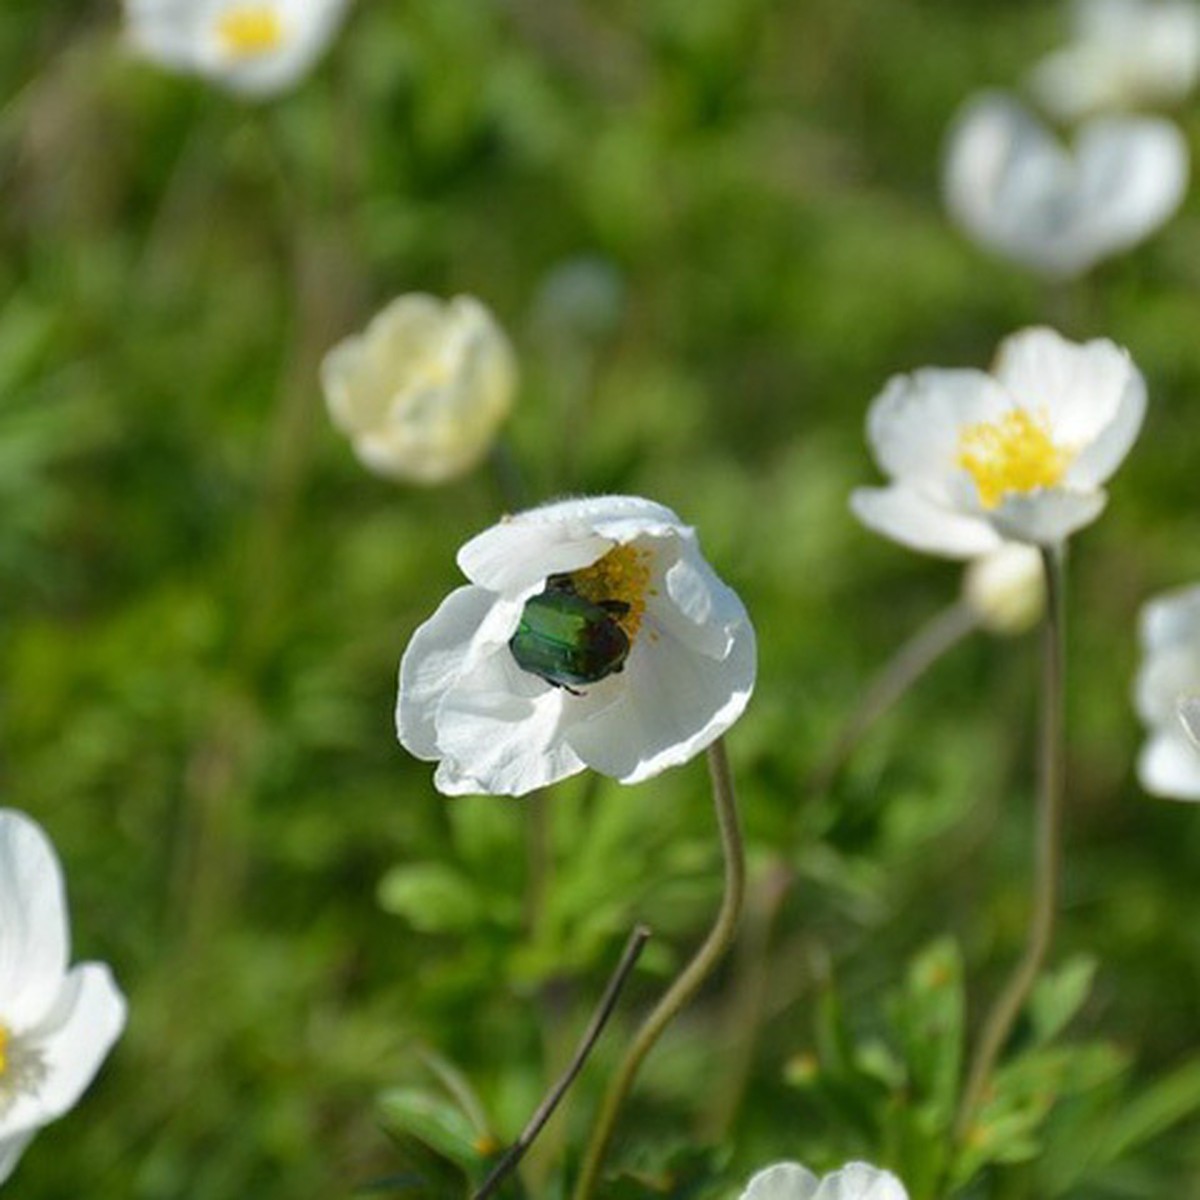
x,y
1019,454
593,634
1188,709
1123,54
855,1181
1168,678
1021,193
253,47
56,1025
1006,588
423,392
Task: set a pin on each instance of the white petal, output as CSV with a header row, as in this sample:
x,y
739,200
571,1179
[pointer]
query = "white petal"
x,y
433,662
694,604
1188,711
1169,766
860,1181
523,549
914,424
33,922
1047,516
783,1181
907,517
672,703
11,1149
1172,618
1166,674
1092,395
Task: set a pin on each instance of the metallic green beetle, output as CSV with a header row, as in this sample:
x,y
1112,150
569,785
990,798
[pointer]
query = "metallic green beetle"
x,y
568,640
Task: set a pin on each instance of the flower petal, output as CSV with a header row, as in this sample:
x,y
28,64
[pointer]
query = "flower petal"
x,y
34,942
860,1181
783,1181
907,517
1169,766
11,1149
1166,674
1047,516
1171,618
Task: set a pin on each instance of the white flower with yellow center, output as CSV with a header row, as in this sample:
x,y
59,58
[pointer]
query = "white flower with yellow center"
x,y
56,1025
1019,454
423,392
592,634
1167,682
1055,209
255,47
855,1181
1123,54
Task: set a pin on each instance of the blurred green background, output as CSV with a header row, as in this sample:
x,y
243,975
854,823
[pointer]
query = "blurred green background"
x,y
712,229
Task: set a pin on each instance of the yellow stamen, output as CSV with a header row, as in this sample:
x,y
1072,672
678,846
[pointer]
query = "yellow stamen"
x,y
1012,454
4,1036
622,574
250,30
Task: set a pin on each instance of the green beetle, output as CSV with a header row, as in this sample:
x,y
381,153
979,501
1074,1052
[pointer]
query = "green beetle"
x,y
568,640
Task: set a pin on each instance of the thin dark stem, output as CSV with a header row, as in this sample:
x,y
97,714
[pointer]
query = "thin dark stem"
x,y
507,1164
938,635
689,981
1048,866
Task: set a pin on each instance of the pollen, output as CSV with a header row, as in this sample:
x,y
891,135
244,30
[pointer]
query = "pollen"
x,y
1012,454
622,574
249,30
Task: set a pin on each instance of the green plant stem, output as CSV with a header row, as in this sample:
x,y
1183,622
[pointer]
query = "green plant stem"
x,y
937,636
1048,866
507,1164
689,981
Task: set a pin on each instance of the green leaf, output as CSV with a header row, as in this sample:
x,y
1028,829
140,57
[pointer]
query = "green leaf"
x,y
436,1123
1059,996
1162,1105
431,897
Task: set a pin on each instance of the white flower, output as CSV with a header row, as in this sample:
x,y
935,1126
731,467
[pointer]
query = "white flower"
x,y
1019,454
1021,193
855,1181
670,659
423,392
1124,54
1169,763
253,47
1188,710
1006,588
56,1025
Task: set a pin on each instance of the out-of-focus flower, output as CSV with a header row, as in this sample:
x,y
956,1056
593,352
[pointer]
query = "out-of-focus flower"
x,y
1123,54
1019,454
855,1181
253,47
1021,193
593,634
422,393
1164,693
1188,710
56,1025
1006,589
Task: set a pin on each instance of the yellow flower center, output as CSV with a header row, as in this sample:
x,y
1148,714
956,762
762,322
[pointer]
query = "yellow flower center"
x,y
250,30
22,1068
4,1040
622,574
1012,454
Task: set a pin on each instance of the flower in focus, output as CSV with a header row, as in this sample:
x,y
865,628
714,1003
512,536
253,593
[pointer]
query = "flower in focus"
x,y
56,1025
1169,675
855,1181
1006,589
592,634
253,47
1123,54
422,393
1020,192
1019,454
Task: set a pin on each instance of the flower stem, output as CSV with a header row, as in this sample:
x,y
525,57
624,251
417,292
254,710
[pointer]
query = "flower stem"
x,y
507,1164
937,636
688,983
1048,865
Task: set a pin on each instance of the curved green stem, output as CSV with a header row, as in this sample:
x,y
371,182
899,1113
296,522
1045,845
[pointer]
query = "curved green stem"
x,y
689,980
1048,867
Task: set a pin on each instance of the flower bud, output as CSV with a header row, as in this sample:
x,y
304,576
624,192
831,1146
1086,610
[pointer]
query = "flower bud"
x,y
1006,589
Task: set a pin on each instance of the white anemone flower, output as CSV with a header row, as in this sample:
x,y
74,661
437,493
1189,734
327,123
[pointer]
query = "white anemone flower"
x,y
252,47
1019,454
56,1025
423,392
1164,694
1006,589
1058,210
855,1181
634,655
1123,54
